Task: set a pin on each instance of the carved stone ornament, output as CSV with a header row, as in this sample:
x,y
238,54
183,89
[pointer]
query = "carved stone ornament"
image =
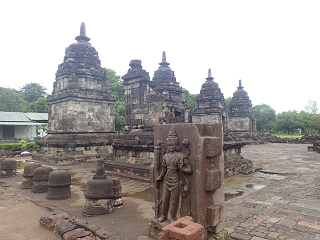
x,y
175,184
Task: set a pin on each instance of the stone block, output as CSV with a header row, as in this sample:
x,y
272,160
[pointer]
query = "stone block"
x,y
103,233
213,180
70,234
212,146
214,214
183,229
49,220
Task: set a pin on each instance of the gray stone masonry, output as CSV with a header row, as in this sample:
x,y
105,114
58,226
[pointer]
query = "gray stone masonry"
x,y
152,102
81,108
242,121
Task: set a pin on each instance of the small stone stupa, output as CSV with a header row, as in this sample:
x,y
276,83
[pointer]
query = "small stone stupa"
x,y
242,121
210,106
81,108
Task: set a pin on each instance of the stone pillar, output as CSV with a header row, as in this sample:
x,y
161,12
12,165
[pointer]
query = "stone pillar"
x,y
189,171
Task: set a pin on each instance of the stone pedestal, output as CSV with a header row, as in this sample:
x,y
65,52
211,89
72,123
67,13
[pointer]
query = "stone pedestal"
x,y
183,229
100,193
40,179
93,207
27,183
192,156
8,168
59,185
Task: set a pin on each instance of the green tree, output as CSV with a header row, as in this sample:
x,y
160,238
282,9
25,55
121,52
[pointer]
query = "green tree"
x,y
265,117
190,101
40,106
33,91
227,101
120,116
11,101
117,89
311,107
115,84
314,122
306,117
289,121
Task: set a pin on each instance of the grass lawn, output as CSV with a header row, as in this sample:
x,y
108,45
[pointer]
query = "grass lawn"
x,y
288,136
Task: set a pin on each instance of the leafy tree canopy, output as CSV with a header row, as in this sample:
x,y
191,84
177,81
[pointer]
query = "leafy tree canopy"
x,y
11,101
115,84
290,121
265,117
40,106
227,101
314,122
117,89
190,101
33,91
311,107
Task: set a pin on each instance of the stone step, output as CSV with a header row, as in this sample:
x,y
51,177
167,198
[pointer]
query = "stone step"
x,y
250,170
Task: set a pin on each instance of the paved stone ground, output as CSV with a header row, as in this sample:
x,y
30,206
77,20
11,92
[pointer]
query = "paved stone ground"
x,y
286,201
280,202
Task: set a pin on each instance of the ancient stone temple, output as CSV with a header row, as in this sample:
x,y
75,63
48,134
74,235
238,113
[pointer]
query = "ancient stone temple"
x,y
242,121
81,108
188,173
147,103
210,106
152,102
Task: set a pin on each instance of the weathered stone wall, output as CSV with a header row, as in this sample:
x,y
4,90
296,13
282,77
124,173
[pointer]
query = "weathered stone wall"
x,y
210,106
74,147
240,124
81,115
81,108
207,119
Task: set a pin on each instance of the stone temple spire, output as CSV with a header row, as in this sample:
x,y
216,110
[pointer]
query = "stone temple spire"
x,y
82,36
240,85
164,60
209,78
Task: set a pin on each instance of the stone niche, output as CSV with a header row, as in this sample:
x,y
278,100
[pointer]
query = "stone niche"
x,y
188,173
81,108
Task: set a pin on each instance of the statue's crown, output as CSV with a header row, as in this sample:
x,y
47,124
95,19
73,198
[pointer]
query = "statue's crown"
x,y
172,132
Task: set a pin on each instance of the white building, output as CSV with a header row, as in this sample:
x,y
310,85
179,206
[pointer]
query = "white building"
x,y
18,125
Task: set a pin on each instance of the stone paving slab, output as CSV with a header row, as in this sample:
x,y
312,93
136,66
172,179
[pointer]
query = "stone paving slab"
x,y
288,206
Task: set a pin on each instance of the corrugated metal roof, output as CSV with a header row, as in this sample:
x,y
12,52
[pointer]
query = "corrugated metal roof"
x,y
19,123
37,116
13,117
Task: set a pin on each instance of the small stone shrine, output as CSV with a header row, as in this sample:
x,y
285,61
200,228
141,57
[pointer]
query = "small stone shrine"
x,y
242,121
188,173
27,183
40,179
81,108
210,106
59,185
152,102
8,168
99,194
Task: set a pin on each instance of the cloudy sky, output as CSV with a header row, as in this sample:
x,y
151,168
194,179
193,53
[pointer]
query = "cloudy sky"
x,y
272,46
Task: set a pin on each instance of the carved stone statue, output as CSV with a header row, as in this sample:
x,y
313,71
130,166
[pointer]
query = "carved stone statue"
x,y
174,164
